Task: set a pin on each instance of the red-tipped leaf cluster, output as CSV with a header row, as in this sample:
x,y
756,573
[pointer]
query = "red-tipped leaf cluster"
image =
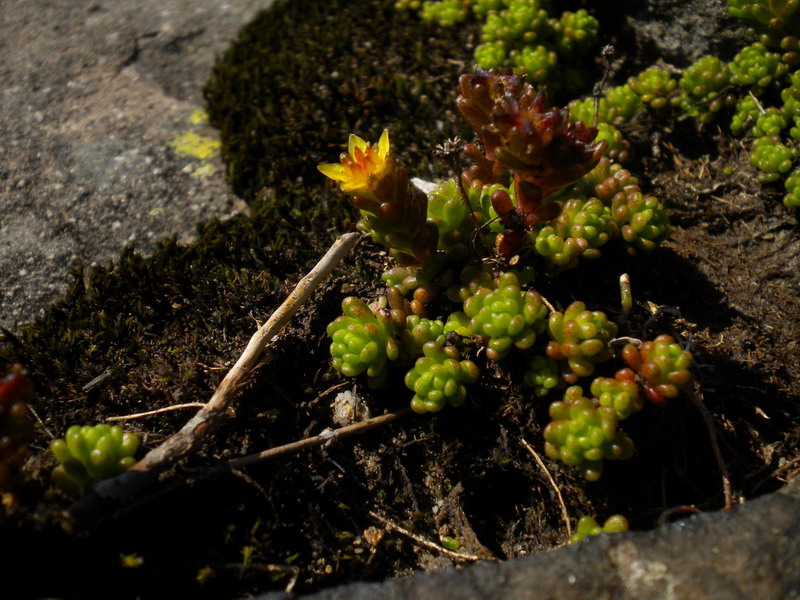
x,y
520,134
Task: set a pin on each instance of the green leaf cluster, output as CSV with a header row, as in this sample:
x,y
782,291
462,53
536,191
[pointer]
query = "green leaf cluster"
x,y
580,337
439,378
588,526
523,34
90,453
363,340
663,366
583,434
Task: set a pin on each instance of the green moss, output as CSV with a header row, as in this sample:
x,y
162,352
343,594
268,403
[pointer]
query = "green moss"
x,y
304,75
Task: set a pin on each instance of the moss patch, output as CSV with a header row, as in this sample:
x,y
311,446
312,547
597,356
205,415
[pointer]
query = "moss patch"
x,y
304,75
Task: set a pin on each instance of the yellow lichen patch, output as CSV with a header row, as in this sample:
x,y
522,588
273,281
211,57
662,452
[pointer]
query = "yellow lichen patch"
x,y
205,170
198,117
201,147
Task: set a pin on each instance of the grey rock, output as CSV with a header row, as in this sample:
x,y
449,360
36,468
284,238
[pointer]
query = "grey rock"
x,y
751,551
681,31
94,97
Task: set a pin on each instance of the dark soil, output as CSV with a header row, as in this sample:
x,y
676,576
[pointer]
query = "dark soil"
x,y
167,328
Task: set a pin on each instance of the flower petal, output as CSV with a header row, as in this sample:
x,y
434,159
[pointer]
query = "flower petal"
x,y
355,142
333,170
383,144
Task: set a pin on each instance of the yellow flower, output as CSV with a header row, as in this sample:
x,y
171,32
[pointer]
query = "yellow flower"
x,y
362,167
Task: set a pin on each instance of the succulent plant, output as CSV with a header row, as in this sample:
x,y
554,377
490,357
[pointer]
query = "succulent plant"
x,y
772,158
537,62
756,67
776,20
617,147
656,88
520,133
770,123
581,338
393,212
439,378
419,331
582,228
542,375
577,31
745,114
702,84
583,434
445,12
364,339
620,393
588,526
792,199
491,55
790,96
88,454
662,365
506,316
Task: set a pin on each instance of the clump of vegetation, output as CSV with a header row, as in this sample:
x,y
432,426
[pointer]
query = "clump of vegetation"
x,y
161,330
556,201
756,93
290,116
89,453
525,35
588,526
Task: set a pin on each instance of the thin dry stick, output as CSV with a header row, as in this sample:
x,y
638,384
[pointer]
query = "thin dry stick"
x,y
195,431
777,472
317,440
697,398
189,438
792,463
542,466
157,411
422,541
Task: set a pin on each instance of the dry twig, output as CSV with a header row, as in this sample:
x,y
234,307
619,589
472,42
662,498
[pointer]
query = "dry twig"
x,y
423,542
192,435
543,467
326,436
157,411
697,398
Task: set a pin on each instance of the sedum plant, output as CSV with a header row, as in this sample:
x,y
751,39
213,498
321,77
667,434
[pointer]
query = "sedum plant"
x,y
756,93
526,35
438,378
89,453
662,365
537,198
588,526
583,434
581,338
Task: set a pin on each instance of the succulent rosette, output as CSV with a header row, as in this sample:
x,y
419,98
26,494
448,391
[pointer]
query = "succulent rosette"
x,y
439,378
506,316
663,366
620,393
583,434
542,375
363,340
581,338
90,453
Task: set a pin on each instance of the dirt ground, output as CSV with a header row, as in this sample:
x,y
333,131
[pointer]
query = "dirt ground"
x,y
167,329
